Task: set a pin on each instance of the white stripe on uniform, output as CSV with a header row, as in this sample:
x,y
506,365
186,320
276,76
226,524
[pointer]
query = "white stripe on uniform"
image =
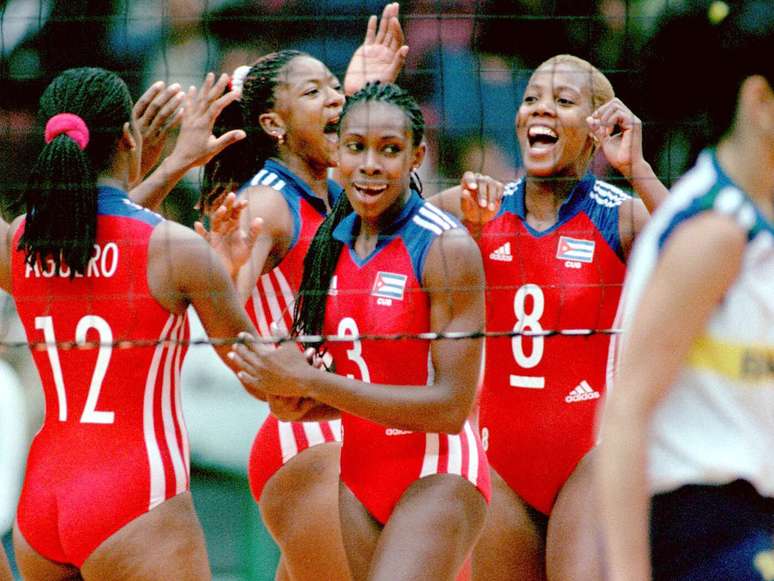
x,y
430,461
168,420
155,464
314,435
472,454
179,404
426,225
455,454
287,439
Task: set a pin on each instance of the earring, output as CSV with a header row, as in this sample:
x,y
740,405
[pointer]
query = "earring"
x,y
280,138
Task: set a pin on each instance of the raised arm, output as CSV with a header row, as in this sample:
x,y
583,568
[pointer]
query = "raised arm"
x,y
183,270
195,145
674,310
156,113
619,132
262,239
457,305
382,54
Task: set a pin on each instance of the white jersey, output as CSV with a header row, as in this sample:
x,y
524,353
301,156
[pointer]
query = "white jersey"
x,y
716,423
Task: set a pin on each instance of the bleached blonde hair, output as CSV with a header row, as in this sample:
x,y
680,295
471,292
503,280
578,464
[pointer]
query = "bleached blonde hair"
x,y
601,88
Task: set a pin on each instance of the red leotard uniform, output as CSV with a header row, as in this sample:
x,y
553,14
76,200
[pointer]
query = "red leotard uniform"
x,y
383,294
540,394
272,302
113,443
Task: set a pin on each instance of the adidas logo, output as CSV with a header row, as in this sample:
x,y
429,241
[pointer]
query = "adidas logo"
x,y
582,392
503,253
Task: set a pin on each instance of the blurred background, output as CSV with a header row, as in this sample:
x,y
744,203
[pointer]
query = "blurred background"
x,y
469,61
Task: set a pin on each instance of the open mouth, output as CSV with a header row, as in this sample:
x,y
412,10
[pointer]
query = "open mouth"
x,y
331,130
368,190
541,137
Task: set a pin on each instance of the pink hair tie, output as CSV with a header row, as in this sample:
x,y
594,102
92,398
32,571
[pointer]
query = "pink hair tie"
x,y
69,124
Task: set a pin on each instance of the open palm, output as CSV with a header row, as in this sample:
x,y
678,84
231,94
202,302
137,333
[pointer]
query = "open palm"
x,y
382,54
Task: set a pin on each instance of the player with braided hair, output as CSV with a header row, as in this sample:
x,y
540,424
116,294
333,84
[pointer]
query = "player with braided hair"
x,y
289,107
414,479
106,491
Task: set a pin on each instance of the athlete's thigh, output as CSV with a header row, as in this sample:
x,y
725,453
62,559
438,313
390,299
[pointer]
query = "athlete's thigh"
x,y
431,531
164,543
573,544
512,544
359,531
35,567
300,507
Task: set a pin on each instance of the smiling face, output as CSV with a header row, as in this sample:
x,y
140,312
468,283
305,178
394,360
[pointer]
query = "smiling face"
x,y
376,156
308,102
551,121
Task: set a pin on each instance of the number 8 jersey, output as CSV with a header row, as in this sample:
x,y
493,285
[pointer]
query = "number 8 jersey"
x,y
540,393
113,443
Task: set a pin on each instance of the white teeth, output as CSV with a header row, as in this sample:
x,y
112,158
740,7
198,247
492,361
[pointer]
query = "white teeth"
x,y
371,189
541,130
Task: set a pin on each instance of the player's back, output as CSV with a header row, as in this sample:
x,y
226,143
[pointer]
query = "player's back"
x,y
109,379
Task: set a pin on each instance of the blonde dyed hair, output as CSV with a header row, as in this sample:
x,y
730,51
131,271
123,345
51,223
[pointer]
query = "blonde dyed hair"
x,y
601,88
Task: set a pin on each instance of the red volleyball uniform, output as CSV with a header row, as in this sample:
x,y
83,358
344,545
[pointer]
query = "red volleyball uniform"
x,y
540,394
383,294
113,443
272,302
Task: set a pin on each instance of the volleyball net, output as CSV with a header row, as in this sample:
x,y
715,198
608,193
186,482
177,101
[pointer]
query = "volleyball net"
x,y
468,64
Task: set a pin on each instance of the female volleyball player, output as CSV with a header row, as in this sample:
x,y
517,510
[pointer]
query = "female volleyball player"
x,y
290,107
102,286
686,453
554,251
414,479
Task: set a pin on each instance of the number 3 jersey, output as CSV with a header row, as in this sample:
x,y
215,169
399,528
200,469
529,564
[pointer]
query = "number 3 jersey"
x,y
113,443
382,294
540,393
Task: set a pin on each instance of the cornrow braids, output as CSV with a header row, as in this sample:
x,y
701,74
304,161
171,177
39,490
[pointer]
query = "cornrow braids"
x,y
237,163
323,254
61,193
390,93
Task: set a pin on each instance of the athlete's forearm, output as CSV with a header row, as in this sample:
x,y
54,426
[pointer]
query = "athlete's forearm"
x,y
321,412
152,191
5,570
624,497
646,184
423,408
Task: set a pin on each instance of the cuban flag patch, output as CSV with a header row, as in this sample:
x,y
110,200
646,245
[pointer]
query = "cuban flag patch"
x,y
575,249
389,285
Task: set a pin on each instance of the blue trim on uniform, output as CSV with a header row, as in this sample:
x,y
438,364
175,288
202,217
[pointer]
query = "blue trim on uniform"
x,y
294,189
604,218
706,202
114,202
416,238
